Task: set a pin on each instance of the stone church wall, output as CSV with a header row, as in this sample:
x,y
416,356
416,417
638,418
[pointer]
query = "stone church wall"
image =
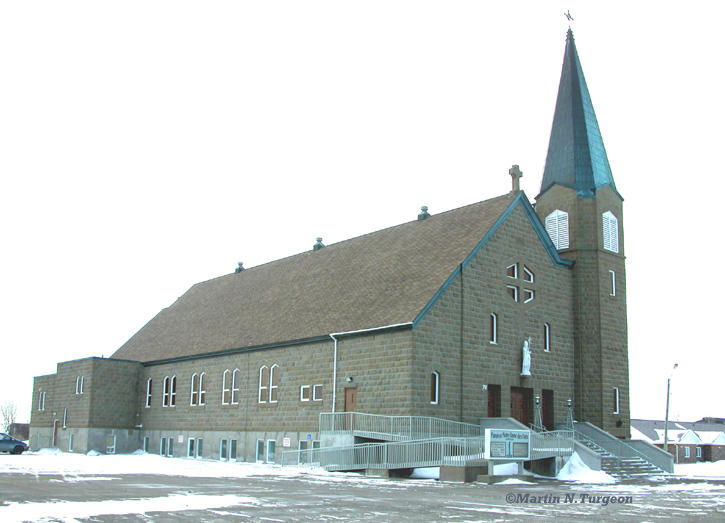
x,y
453,338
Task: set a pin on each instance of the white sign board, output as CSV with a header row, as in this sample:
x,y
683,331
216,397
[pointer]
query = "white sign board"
x,y
285,442
180,439
508,444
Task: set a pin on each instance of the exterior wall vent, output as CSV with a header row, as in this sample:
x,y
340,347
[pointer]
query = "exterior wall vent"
x,y
319,245
423,213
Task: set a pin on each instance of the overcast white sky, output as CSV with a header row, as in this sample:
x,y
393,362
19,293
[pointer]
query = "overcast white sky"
x,y
149,145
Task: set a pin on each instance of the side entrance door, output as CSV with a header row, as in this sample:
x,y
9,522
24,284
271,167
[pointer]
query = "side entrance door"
x,y
351,399
350,406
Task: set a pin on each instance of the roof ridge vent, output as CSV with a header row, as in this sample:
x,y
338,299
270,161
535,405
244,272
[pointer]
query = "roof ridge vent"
x,y
423,213
319,245
240,268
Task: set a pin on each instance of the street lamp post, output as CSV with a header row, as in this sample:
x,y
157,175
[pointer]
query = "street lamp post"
x,y
667,407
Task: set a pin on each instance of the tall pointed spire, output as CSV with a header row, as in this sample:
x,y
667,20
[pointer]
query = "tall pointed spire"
x,y
576,156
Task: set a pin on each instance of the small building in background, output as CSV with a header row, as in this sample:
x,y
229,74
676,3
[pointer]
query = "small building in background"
x,y
688,441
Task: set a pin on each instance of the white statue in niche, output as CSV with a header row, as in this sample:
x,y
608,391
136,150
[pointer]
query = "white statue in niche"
x,y
526,359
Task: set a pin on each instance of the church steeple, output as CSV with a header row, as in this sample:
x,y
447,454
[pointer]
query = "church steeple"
x,y
576,157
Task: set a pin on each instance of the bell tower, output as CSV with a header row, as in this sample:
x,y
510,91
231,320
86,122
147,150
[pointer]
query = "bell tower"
x,y
582,211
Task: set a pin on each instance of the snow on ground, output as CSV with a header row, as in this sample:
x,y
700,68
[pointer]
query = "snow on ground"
x,y
53,461
72,510
576,470
705,469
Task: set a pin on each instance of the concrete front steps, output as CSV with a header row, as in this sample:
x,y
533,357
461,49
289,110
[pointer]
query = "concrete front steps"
x,y
629,468
623,468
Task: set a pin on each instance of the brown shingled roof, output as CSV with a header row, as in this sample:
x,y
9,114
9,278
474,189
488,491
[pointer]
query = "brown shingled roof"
x,y
382,278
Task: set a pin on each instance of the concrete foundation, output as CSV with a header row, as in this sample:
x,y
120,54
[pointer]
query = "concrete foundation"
x,y
462,474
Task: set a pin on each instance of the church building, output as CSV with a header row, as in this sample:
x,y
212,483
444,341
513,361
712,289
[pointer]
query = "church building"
x,y
476,312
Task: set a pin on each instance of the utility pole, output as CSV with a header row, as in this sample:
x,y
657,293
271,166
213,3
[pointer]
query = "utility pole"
x,y
667,408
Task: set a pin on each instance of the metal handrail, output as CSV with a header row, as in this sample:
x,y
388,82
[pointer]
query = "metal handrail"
x,y
432,452
396,427
614,446
552,443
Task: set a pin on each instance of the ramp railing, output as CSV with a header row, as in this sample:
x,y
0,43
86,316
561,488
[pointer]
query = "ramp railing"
x,y
395,428
393,455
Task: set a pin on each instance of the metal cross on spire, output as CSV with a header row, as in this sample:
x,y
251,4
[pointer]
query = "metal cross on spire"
x,y
568,16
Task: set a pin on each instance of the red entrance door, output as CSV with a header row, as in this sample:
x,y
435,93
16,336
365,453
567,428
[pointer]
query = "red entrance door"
x,y
521,404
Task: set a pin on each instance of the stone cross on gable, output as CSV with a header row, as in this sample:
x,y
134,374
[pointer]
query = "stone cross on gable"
x,y
515,173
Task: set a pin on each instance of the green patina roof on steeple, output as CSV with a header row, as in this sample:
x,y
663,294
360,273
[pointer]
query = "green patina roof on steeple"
x,y
576,156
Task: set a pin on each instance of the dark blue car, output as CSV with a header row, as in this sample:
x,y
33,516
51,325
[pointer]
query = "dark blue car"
x,y
11,445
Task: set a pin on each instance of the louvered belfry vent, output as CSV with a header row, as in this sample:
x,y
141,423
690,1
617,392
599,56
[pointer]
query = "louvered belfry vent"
x,y
610,232
557,225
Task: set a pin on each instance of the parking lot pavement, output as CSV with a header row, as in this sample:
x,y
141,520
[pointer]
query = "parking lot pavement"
x,y
348,498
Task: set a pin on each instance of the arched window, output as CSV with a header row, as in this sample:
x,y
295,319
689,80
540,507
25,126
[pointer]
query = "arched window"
x,y
557,225
435,380
273,383
79,385
149,383
263,395
194,389
167,391
610,232
172,399
235,387
202,390
226,391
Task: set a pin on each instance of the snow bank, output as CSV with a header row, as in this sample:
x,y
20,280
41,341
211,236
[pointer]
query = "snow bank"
x,y
426,473
514,481
47,452
506,469
705,469
576,470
